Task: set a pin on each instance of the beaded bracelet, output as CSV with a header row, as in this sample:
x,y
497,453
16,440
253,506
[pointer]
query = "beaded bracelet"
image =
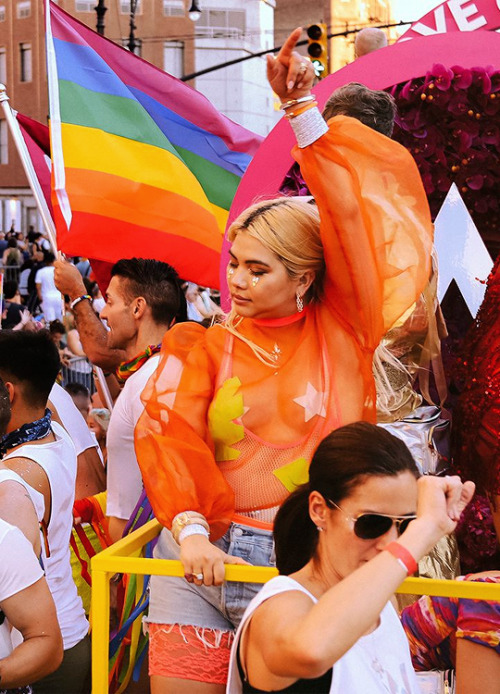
x,y
403,556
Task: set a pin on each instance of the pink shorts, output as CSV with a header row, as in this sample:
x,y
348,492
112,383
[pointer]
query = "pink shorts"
x,y
188,652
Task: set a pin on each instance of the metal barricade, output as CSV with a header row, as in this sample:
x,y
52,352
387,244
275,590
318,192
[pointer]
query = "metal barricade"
x,y
78,370
118,559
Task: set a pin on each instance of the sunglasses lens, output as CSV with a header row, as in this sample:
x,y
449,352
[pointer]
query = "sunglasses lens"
x,y
370,525
404,524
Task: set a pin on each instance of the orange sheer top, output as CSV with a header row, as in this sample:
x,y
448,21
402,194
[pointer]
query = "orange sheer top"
x,y
223,432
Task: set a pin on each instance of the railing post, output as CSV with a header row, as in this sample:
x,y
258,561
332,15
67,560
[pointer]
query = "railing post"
x,y
100,629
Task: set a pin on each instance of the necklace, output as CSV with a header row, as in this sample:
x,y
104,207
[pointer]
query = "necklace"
x,y
276,353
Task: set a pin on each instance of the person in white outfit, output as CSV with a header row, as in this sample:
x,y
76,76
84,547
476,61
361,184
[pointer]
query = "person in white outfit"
x,y
26,605
50,297
27,609
344,543
42,453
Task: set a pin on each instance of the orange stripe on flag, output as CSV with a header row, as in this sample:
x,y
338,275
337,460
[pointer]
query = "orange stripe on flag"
x,y
107,195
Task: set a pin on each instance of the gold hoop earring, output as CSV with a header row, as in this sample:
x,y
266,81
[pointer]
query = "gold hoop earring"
x,y
300,303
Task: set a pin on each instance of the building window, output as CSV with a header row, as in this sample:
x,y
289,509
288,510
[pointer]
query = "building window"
x,y
25,56
125,6
4,152
221,23
138,45
173,58
3,66
174,8
2,13
85,5
23,9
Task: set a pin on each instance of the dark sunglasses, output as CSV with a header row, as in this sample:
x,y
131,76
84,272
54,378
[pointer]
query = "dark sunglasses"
x,y
369,526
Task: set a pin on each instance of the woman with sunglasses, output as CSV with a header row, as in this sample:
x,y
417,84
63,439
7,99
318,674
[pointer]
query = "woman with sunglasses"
x,y
344,543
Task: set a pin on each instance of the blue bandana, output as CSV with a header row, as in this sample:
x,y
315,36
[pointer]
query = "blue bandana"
x,y
33,431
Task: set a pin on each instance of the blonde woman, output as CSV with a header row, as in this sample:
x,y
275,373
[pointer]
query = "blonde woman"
x,y
234,413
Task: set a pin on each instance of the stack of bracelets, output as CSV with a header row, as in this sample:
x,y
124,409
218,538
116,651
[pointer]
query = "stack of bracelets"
x,y
189,523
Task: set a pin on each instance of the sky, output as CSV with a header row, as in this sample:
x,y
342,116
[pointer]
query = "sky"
x,y
412,9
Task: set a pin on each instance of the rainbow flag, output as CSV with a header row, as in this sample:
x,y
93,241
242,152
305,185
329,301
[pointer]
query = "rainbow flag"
x,y
142,164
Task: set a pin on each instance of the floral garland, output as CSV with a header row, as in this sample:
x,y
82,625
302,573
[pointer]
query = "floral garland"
x,y
450,121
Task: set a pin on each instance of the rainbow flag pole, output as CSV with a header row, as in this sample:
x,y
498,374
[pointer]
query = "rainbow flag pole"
x,y
29,169
142,163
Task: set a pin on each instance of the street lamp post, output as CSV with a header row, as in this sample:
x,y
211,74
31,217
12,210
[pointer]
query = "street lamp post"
x,y
194,12
100,11
132,44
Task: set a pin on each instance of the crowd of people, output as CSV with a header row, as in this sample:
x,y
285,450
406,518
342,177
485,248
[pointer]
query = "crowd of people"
x,y
254,435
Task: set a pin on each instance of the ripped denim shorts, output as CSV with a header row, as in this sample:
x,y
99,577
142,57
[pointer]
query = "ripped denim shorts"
x,y
175,601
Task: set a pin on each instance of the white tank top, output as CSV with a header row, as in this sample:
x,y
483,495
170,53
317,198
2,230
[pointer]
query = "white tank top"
x,y
369,666
36,497
58,460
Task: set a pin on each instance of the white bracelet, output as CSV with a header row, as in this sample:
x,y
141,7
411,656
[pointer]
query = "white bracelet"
x,y
308,127
83,297
193,529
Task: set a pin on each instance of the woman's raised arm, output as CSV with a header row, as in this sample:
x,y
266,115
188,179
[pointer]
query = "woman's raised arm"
x,y
375,221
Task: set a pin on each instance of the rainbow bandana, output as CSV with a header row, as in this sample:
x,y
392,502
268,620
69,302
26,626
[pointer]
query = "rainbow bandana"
x,y
127,368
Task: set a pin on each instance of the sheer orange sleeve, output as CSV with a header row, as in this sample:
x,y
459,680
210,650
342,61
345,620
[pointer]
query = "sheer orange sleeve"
x,y
375,224
172,443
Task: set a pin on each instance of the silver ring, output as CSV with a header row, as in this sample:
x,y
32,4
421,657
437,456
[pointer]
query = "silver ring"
x,y
199,576
303,67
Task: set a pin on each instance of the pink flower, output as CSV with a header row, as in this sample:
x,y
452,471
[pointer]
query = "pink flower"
x,y
475,182
442,76
481,79
462,77
491,135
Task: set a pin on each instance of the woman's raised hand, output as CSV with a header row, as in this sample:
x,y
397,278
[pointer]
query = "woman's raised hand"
x,y
203,562
290,74
443,499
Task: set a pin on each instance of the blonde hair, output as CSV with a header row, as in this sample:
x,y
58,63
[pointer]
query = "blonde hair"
x,y
289,228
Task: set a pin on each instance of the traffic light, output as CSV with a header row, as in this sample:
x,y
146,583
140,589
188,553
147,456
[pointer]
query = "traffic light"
x,y
317,48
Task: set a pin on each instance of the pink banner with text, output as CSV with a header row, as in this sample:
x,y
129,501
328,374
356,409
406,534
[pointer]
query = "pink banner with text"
x,y
457,15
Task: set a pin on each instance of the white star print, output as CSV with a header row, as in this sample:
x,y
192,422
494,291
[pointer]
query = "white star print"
x,y
312,402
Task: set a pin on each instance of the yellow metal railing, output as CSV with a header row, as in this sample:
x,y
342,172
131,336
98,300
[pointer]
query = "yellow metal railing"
x,y
117,559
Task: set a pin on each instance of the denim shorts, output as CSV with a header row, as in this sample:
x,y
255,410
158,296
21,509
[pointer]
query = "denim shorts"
x,y
175,601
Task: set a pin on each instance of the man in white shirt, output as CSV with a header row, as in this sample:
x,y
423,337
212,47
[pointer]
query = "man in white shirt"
x,y
142,301
42,453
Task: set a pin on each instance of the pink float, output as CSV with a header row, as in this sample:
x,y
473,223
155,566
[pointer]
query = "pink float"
x,y
379,70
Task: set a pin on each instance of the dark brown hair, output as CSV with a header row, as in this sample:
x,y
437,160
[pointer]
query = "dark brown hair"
x,y
154,280
340,463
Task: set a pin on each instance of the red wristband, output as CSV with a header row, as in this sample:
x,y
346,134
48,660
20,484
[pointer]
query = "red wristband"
x,y
403,556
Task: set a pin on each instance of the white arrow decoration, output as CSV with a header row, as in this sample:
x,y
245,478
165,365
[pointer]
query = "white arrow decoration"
x,y
462,255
